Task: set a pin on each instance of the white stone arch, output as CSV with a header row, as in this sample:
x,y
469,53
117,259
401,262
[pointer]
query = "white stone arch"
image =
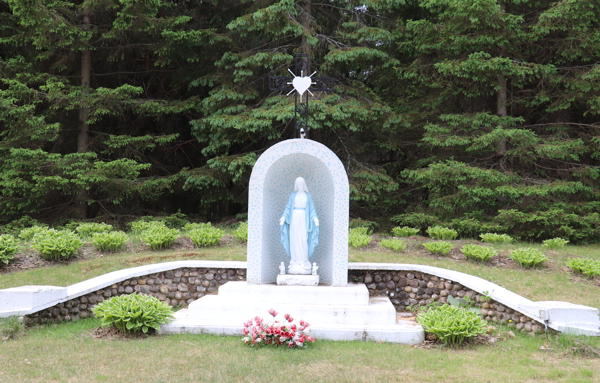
x,y
271,183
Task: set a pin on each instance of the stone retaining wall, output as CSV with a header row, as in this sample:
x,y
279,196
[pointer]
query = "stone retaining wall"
x,y
409,290
179,287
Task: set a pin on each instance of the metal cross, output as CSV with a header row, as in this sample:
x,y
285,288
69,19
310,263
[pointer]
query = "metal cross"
x,y
303,85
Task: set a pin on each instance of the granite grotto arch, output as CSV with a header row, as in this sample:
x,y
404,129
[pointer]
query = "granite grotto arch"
x,y
271,182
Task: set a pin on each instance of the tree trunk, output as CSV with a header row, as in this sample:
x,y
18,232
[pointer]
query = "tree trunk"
x,y
501,100
501,111
306,21
83,136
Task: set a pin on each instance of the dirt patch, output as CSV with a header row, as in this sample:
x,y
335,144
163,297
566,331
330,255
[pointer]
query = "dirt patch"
x,y
183,243
503,260
585,351
111,333
227,240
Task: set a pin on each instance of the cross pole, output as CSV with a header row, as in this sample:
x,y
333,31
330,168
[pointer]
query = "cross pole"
x,y
303,85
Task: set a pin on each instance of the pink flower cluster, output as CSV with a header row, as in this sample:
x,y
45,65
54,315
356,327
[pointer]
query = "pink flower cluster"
x,y
257,332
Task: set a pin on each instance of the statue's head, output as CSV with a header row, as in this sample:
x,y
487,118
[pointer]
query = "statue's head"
x,y
300,185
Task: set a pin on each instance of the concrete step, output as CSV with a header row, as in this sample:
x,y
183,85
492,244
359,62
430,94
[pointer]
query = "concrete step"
x,y
232,310
353,294
404,332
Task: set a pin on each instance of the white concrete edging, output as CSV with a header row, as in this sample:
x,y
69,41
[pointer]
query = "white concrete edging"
x,y
561,316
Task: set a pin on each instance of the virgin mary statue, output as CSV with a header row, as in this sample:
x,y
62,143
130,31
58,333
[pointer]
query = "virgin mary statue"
x,y
299,228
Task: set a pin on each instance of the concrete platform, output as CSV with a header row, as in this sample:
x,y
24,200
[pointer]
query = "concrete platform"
x,y
353,294
215,309
335,313
297,280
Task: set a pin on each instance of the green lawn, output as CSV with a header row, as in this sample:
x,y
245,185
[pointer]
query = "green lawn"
x,y
68,353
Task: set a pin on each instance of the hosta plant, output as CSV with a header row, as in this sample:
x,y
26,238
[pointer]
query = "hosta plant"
x,y
452,325
208,236
528,256
588,267
439,248
86,230
133,313
357,222
9,246
358,237
405,231
140,226
56,245
241,232
440,232
196,225
478,253
496,238
159,237
111,241
555,243
393,244
283,332
28,233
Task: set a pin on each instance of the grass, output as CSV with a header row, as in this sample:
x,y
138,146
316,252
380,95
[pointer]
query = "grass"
x,y
68,353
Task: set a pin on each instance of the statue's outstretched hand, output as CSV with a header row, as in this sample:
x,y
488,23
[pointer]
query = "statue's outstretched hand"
x,y
281,221
316,221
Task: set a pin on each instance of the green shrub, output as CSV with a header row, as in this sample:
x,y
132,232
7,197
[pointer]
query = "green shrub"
x,y
555,243
359,237
159,237
208,236
86,230
393,244
141,225
56,245
15,227
9,246
496,238
439,248
133,313
419,220
241,232
440,232
111,241
67,224
471,227
528,256
452,325
28,233
175,220
405,231
588,267
478,253
196,225
370,225
11,327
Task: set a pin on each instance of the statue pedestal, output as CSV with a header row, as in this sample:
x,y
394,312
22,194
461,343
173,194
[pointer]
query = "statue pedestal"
x,y
297,280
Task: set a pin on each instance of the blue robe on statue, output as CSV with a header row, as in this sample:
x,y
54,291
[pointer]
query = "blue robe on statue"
x,y
309,218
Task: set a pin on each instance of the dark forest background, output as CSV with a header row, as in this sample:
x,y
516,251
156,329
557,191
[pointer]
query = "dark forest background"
x,y
481,115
